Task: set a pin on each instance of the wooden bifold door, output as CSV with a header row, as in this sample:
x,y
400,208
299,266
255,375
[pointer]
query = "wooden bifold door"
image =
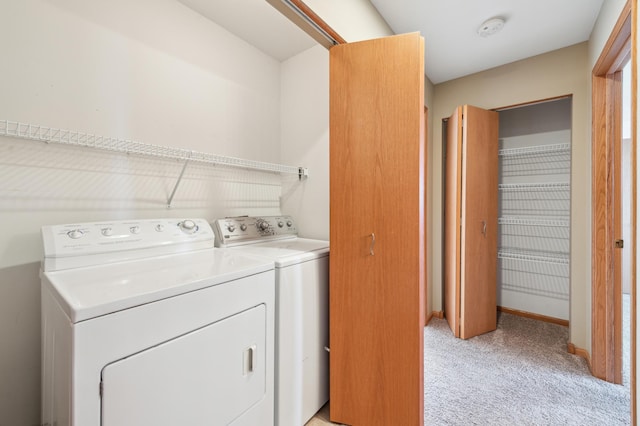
x,y
377,268
471,221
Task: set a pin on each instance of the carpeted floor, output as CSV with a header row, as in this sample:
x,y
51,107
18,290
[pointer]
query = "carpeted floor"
x,y
520,374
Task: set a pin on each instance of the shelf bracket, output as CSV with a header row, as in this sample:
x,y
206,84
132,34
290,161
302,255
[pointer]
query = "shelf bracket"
x,y
175,187
303,173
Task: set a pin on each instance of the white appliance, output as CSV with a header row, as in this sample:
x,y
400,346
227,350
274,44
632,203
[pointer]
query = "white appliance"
x,y
302,308
145,323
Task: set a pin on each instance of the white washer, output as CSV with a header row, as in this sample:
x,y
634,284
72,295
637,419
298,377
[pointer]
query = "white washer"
x,y
145,323
302,308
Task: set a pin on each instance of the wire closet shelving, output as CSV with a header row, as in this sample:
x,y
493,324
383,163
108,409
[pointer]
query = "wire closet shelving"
x,y
39,133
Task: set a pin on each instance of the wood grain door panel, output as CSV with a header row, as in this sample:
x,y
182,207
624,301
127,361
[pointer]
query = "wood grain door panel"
x,y
479,222
376,167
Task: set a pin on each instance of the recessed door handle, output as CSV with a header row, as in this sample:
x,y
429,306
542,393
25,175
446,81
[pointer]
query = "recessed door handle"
x,y
249,360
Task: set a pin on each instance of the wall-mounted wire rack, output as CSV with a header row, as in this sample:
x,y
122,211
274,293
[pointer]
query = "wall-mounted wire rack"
x,y
559,223
532,161
539,235
534,228
531,187
39,133
544,275
537,150
556,259
535,199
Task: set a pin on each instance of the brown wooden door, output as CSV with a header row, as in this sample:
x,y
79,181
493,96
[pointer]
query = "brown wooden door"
x,y
377,231
471,221
479,224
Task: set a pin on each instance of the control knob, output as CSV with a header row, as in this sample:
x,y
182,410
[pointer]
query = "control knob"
x,y
188,226
231,228
289,223
280,224
243,227
107,232
75,234
135,229
262,225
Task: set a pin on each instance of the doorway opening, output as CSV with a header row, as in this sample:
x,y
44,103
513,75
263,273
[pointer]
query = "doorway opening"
x,y
613,200
534,224
626,197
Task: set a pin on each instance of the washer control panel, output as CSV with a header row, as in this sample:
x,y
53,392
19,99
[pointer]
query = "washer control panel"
x,y
247,229
128,238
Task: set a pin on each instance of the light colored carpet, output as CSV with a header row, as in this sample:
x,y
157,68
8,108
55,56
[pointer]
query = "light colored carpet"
x,y
520,374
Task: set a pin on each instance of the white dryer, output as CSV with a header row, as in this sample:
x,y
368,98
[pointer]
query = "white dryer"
x,y
145,323
302,308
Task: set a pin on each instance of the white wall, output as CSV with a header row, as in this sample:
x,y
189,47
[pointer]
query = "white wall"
x,y
609,13
558,73
152,71
305,139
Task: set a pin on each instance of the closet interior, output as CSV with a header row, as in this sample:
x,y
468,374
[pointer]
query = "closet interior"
x,y
534,206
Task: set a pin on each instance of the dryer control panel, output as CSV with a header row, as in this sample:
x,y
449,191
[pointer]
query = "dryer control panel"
x,y
247,229
86,244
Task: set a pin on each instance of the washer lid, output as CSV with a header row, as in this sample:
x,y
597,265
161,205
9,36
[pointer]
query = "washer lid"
x,y
85,293
289,251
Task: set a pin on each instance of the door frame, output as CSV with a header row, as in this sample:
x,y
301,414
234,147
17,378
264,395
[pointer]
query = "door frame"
x,y
606,349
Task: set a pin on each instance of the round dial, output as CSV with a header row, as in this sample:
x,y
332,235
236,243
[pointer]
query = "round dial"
x,y
75,234
289,223
262,225
280,224
107,232
135,229
231,228
159,227
188,226
243,227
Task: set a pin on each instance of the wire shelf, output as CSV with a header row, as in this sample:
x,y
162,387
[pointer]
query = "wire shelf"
x,y
556,164
68,137
542,200
559,223
538,150
542,275
534,187
556,259
534,223
544,240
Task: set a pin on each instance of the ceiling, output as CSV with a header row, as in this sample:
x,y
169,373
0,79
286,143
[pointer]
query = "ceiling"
x,y
452,46
256,22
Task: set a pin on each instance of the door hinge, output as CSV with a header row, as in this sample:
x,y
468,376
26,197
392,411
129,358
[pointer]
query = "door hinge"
x,y
619,243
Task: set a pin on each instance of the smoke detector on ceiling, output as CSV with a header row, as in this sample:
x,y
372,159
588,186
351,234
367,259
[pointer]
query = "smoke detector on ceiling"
x,y
490,26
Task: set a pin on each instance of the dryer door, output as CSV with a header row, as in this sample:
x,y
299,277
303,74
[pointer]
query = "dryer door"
x,y
210,376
